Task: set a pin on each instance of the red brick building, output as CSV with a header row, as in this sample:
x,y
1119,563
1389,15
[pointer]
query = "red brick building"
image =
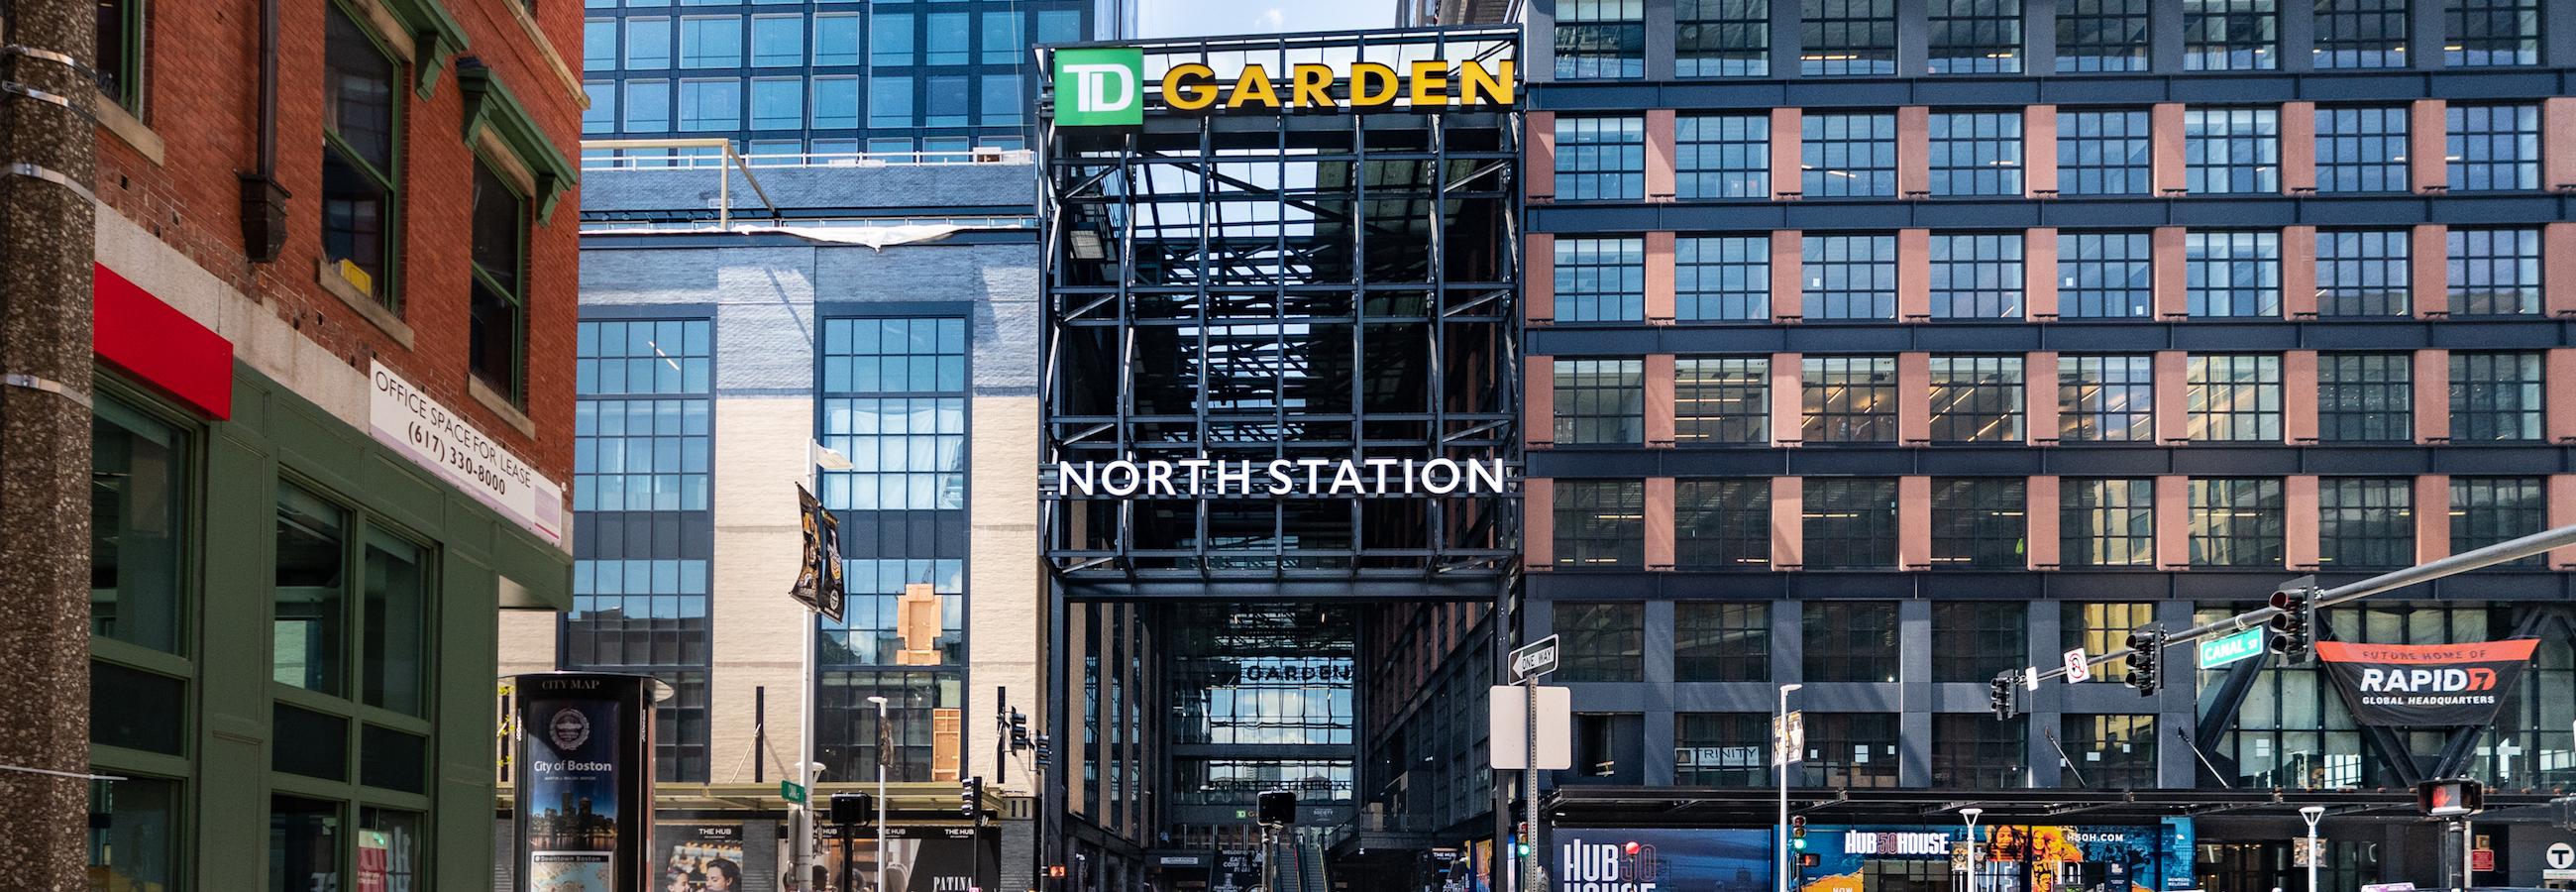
x,y
335,407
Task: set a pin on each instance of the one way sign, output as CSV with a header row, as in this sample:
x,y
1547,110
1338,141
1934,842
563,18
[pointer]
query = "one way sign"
x,y
1534,659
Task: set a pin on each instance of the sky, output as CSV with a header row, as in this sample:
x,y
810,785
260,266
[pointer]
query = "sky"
x,y
1191,18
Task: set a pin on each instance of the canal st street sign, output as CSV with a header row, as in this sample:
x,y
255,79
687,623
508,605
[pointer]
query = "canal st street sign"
x,y
1105,86
1534,659
2226,649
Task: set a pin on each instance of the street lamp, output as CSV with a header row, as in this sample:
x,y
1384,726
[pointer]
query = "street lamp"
x,y
2313,814
885,741
1970,814
1780,757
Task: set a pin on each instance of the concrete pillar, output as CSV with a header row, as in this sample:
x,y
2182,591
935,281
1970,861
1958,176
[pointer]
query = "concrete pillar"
x,y
1659,400
1787,178
1914,523
2299,271
2557,128
2041,514
1659,523
2558,380
2429,270
2039,274
2170,259
2299,521
2299,397
2165,156
1913,151
1913,275
1913,398
1538,401
2173,522
1788,300
1538,167
2039,151
2432,396
2427,146
2299,147
1538,523
2432,517
1538,282
1788,400
1659,154
1788,524
2173,396
1659,278
2039,398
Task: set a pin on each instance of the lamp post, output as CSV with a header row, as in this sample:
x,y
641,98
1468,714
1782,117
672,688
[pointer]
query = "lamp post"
x,y
2312,814
1970,814
885,741
1780,757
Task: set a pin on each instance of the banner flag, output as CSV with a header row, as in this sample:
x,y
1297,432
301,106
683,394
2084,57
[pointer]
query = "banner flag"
x,y
818,569
2425,685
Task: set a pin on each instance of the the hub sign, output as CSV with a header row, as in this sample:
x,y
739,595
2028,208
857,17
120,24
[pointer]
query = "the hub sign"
x,y
1104,86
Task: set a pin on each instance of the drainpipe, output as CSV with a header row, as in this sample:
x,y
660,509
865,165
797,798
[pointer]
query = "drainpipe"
x,y
263,200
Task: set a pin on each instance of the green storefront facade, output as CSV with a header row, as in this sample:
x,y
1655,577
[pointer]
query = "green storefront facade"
x,y
292,649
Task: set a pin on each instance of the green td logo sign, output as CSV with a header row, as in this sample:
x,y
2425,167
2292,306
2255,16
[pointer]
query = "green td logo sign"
x,y
1100,86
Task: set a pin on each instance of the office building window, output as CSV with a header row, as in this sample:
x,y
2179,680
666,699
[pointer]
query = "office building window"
x,y
648,44
1000,100
2361,149
1600,401
497,328
2360,34
1974,751
2236,522
1722,278
777,40
2496,396
1977,523
1721,749
1976,276
601,116
134,836
711,42
836,39
1848,399
2233,397
1720,401
2105,275
2229,35
2101,35
139,520
1721,641
1848,276
2107,522
1974,37
2492,147
2491,32
1846,37
1976,399
2100,627
1600,523
1000,37
2111,752
121,58
890,38
2106,398
1847,155
2488,510
2232,274
889,101
1848,641
2231,150
1603,641
1600,158
2103,152
1600,280
1851,750
1978,639
1600,39
1976,153
1850,522
1722,156
2365,397
836,104
2365,523
1722,524
598,44
1609,748
898,411
947,35
777,103
2495,272
711,105
641,437
947,95
1721,38
361,158
2364,272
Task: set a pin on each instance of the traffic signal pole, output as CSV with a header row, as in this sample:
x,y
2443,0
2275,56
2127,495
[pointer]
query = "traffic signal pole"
x,y
2477,559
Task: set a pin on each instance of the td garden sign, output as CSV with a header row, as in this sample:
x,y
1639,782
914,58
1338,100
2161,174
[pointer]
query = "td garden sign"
x,y
1105,86
1279,478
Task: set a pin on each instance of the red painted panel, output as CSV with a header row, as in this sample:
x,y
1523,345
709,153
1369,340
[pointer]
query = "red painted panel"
x,y
160,346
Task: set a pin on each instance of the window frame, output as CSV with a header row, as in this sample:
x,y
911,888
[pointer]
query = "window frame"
x,y
1736,634
1867,41
2106,398
1723,381
2218,504
2090,512
2365,523
515,389
2480,411
1600,158
2211,38
2474,132
1980,523
1828,146
389,293
2132,18
2349,136
1735,514
1613,537
2344,39
2360,401
1858,532
2085,277
1621,22
1728,273
2132,174
1599,401
1993,44
1977,398
2365,273
1856,416
1691,34
1721,156
2231,150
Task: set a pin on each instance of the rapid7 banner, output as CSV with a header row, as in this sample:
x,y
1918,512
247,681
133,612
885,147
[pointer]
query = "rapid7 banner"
x,y
2422,685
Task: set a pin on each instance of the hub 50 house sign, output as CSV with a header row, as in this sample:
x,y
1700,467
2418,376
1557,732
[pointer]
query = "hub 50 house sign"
x,y
1280,478
1106,85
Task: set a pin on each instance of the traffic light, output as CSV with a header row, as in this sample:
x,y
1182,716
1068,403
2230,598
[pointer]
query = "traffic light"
x,y
853,808
1999,697
1798,832
1055,871
1045,751
2294,628
2451,797
2146,659
970,797
1019,730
